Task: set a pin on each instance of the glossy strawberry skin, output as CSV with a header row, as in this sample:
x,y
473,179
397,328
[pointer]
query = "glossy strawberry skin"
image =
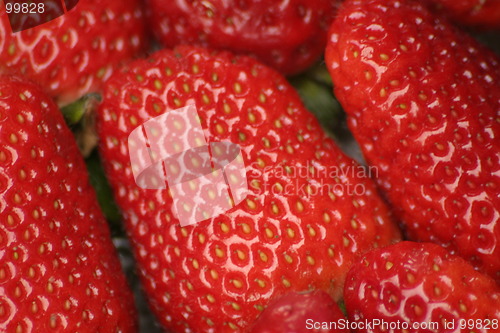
x,y
75,53
288,36
423,102
298,313
421,283
58,267
484,14
219,274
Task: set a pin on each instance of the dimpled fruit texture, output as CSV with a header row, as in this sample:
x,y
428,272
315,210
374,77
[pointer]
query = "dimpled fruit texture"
x,y
423,285
58,268
288,35
423,101
73,54
216,276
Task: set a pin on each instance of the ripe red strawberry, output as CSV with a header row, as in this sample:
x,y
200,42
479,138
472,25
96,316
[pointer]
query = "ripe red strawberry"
x,y
423,102
73,54
421,284
301,313
478,13
289,36
58,267
293,232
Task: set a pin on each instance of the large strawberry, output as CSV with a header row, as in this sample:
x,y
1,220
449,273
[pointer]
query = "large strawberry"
x,y
288,35
58,267
423,101
74,53
420,288
310,211
476,13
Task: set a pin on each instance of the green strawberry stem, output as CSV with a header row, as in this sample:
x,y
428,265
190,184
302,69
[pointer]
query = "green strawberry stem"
x,y
80,117
74,112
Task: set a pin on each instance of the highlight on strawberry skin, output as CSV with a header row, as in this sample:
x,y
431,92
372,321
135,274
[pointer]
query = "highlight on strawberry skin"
x,y
422,99
250,166
220,273
287,35
59,270
421,287
73,54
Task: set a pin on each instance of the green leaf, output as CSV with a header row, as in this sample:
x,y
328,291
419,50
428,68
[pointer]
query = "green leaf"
x,y
318,98
341,305
98,180
320,74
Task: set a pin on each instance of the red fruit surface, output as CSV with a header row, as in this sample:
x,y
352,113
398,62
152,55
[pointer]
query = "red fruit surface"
x,y
299,313
58,267
419,284
73,54
423,102
288,235
477,13
289,36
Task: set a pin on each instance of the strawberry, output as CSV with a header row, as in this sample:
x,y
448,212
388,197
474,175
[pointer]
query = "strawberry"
x,y
301,313
58,267
423,287
476,13
289,36
423,101
309,211
74,53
